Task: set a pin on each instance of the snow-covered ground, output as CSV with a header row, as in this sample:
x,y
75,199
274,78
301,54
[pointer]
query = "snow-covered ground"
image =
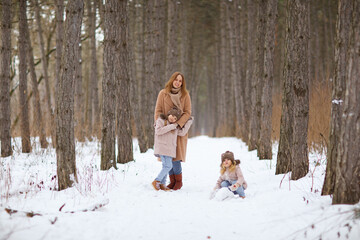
x,y
121,204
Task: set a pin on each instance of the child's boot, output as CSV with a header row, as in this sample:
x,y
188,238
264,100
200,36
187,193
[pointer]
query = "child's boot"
x,y
156,185
172,181
178,182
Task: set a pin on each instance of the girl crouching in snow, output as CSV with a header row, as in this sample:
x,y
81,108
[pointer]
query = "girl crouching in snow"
x,y
166,132
231,176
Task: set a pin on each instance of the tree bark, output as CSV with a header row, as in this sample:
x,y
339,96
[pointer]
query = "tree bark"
x,y
111,37
172,63
257,81
347,186
124,131
91,8
59,38
338,92
23,93
45,72
38,119
265,147
5,54
65,140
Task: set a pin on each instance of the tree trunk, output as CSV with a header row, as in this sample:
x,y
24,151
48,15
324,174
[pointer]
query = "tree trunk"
x,y
23,93
347,186
172,63
251,50
45,72
5,54
91,8
65,140
296,71
38,119
257,81
338,92
265,147
111,37
124,131
59,38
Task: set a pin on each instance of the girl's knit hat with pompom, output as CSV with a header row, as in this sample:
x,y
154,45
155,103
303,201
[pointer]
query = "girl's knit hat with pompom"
x,y
173,111
229,155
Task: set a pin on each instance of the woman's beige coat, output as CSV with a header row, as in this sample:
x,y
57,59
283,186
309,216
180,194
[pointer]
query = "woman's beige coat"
x,y
163,105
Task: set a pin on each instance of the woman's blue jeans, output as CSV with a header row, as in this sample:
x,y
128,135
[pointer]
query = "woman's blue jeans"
x,y
239,191
176,168
167,165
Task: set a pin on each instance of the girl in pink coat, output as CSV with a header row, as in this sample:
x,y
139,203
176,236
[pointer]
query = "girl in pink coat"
x,y
231,175
166,132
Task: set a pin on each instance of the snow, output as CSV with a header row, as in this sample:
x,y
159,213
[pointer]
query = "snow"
x,y
121,204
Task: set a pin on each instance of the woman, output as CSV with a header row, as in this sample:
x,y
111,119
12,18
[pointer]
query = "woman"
x,y
175,94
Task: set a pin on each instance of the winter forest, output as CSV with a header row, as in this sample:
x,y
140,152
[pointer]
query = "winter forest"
x,y
276,82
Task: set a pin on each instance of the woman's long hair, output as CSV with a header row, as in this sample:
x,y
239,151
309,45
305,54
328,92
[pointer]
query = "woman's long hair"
x,y
169,84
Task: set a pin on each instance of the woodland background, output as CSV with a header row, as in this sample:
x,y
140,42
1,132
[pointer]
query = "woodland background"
x,y
97,74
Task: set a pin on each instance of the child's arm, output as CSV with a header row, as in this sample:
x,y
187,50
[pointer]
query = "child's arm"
x,y
218,182
241,180
160,129
183,131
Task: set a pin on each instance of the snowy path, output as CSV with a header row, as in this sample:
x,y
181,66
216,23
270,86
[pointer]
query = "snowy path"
x,y
136,211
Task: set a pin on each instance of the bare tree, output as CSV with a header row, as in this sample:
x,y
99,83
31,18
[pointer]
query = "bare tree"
x,y
91,9
38,119
45,71
338,91
65,140
264,148
295,113
5,54
257,81
111,37
347,186
59,37
23,92
124,131
172,63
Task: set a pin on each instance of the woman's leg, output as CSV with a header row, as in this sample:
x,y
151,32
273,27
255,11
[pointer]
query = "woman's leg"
x,y
177,169
166,167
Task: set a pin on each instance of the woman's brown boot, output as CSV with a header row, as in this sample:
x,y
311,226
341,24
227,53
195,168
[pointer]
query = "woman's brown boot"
x,y
178,182
172,182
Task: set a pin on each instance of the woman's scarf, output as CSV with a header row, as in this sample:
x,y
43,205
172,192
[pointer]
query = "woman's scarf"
x,y
175,96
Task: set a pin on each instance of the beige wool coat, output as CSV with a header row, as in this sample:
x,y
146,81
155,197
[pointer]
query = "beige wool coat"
x,y
165,137
163,105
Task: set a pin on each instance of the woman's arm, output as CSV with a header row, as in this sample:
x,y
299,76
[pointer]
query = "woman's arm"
x,y
183,131
186,111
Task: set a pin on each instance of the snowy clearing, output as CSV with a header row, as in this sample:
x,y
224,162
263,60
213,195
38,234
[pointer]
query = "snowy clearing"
x,y
121,204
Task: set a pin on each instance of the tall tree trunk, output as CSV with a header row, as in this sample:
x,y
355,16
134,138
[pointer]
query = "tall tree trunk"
x,y
265,149
124,131
251,50
38,119
257,82
136,43
65,140
5,54
172,43
347,186
296,71
23,93
45,72
59,38
338,91
111,37
79,99
91,8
